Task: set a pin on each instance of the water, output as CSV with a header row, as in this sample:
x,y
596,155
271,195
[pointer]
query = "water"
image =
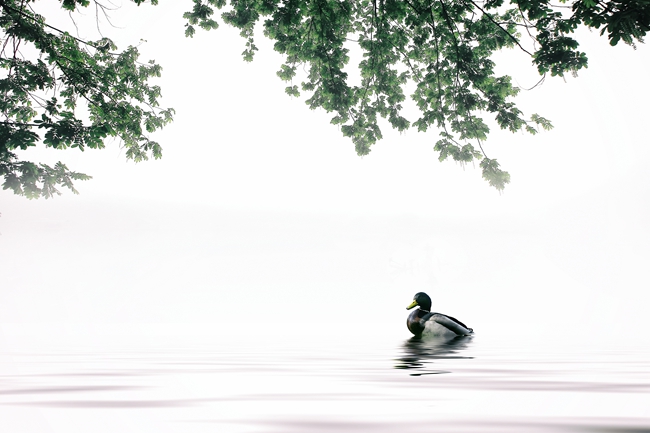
x,y
328,383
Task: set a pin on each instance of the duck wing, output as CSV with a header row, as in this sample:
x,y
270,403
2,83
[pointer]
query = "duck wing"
x,y
456,320
451,323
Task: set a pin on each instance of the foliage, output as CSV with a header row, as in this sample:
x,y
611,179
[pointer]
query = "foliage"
x,y
71,93
68,93
442,47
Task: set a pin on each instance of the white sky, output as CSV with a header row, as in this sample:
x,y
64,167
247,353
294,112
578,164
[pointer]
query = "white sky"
x,y
260,205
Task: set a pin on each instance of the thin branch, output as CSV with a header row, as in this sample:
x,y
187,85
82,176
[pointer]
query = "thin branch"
x,y
74,23
536,84
10,8
499,26
528,26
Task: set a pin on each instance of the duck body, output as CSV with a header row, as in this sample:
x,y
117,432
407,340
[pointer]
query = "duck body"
x,y
422,322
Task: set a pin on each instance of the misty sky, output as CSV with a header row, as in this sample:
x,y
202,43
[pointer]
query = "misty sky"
x,y
259,203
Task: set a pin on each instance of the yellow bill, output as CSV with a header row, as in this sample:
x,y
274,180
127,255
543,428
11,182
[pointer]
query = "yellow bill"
x,y
413,304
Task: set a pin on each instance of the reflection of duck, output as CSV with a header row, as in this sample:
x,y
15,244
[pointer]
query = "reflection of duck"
x,y
418,350
423,322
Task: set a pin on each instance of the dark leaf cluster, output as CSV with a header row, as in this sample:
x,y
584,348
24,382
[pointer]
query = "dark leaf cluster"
x,y
68,93
443,47
64,92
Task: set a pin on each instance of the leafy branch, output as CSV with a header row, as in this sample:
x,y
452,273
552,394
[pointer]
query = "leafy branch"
x,y
118,101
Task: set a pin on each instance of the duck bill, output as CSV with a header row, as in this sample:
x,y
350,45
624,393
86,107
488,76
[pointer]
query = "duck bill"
x,y
413,304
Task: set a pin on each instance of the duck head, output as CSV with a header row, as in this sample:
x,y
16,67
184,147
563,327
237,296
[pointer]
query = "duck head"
x,y
422,300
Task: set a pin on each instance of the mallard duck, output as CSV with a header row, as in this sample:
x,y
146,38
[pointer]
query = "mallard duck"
x,y
423,322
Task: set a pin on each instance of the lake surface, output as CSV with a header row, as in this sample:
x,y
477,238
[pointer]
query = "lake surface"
x,y
328,383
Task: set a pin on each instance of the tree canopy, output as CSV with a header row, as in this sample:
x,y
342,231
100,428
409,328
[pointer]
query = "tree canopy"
x,y
69,93
440,49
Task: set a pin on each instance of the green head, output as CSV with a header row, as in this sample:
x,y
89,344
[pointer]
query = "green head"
x,y
422,300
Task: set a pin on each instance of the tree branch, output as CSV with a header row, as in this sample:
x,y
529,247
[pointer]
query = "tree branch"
x,y
499,26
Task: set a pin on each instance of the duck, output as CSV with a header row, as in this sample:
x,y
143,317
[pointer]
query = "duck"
x,y
423,322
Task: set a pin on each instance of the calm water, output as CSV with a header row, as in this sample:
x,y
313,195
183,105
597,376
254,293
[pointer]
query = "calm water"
x,y
335,383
